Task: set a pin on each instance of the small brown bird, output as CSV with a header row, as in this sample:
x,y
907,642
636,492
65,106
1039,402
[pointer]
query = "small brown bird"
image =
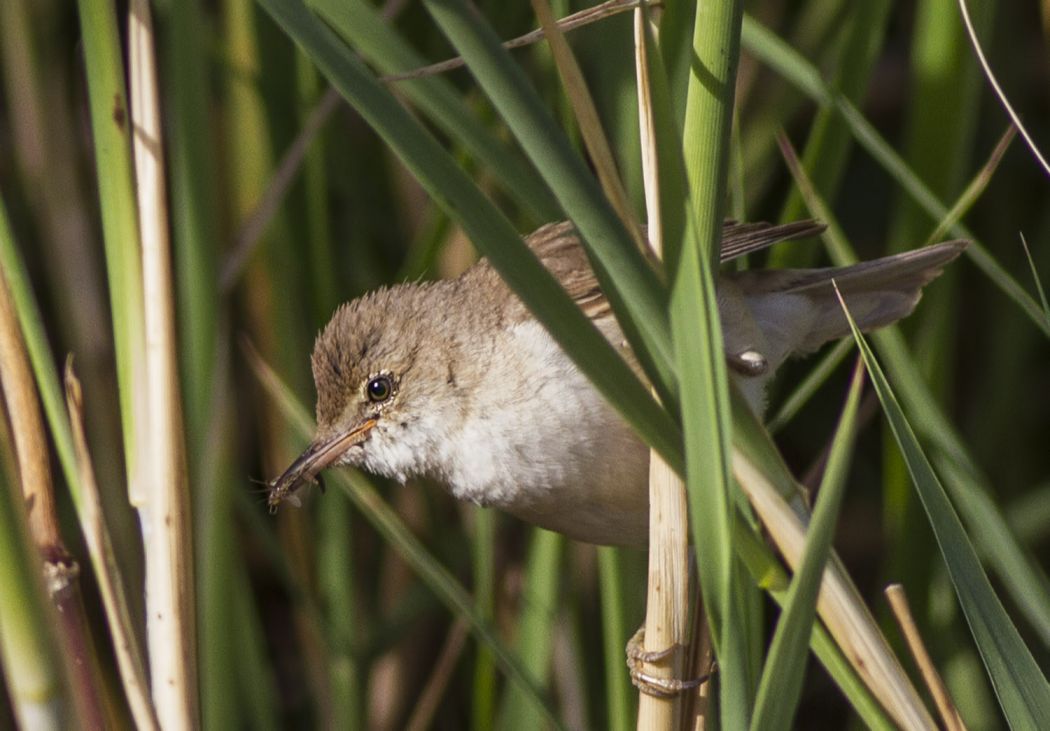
x,y
454,380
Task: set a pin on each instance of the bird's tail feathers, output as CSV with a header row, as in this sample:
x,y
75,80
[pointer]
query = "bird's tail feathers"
x,y
877,293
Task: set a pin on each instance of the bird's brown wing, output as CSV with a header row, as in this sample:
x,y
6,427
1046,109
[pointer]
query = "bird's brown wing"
x,y
558,247
739,239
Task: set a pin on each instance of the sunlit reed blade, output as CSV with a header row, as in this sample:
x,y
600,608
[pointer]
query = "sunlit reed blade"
x,y
843,612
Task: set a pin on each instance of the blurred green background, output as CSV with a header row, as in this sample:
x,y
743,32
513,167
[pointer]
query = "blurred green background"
x,y
310,618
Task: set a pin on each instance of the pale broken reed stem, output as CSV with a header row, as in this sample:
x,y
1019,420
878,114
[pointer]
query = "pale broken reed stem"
x,y
166,520
126,647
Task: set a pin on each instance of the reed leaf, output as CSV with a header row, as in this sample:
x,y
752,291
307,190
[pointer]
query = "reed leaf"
x,y
765,45
1022,689
364,28
781,684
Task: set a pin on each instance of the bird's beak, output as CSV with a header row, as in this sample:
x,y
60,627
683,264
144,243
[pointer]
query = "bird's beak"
x,y
321,454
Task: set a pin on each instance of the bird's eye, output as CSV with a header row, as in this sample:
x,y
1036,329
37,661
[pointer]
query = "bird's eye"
x,y
379,389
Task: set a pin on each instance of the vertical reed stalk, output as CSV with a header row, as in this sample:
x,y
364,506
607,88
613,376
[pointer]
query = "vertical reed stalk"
x,y
126,647
28,642
700,355
60,569
171,618
113,168
667,599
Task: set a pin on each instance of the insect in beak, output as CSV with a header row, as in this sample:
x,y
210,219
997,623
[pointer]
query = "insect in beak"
x,y
321,454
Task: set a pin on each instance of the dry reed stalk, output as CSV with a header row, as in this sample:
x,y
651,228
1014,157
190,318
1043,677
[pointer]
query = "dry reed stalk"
x,y
586,113
666,623
126,647
59,569
986,67
949,713
839,604
27,432
423,715
667,599
166,515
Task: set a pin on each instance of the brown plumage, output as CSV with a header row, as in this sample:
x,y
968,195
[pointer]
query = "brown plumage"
x,y
456,381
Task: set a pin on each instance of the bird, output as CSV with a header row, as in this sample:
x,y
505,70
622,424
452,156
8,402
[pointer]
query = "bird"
x,y
456,381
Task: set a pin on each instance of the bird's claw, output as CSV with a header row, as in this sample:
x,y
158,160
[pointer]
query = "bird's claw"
x,y
638,657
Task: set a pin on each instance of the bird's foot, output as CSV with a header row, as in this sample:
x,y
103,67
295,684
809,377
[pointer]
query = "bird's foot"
x,y
638,657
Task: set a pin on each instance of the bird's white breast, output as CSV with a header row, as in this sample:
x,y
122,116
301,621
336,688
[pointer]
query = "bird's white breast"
x,y
542,443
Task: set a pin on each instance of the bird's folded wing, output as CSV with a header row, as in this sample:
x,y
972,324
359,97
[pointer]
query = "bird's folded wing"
x,y
740,239
558,246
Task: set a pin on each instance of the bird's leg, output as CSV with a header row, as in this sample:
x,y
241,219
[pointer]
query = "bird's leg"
x,y
638,656
748,362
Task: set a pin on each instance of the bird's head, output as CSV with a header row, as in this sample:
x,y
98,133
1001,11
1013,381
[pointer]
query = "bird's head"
x,y
386,388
